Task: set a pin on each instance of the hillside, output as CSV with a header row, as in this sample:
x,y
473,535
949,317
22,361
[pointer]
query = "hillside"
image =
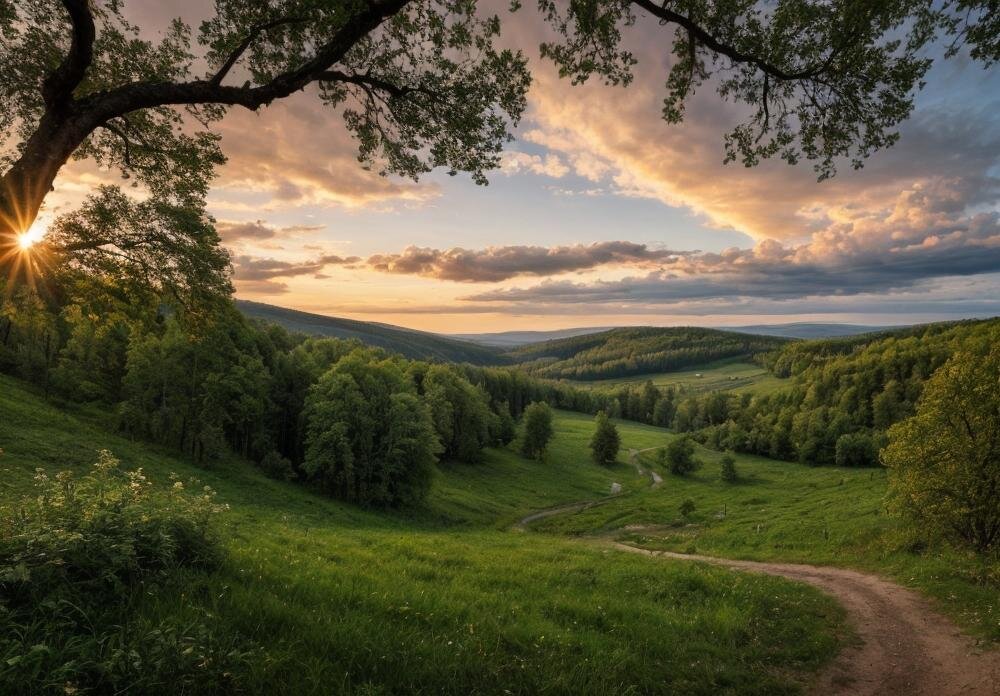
x,y
320,597
418,345
635,351
809,330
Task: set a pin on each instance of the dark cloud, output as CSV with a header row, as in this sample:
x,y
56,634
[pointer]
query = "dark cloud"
x,y
250,269
495,264
771,271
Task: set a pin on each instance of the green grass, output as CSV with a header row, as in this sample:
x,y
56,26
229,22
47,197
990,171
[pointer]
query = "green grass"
x,y
725,375
443,599
789,512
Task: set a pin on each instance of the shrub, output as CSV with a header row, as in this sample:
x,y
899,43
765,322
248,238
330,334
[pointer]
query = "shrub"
x,y
100,532
687,508
944,462
78,557
728,464
605,443
856,449
537,429
680,456
277,467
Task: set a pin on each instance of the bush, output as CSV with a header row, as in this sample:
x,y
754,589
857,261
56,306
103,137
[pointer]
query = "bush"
x,y
95,534
77,557
728,464
537,429
277,467
680,456
605,443
856,449
687,508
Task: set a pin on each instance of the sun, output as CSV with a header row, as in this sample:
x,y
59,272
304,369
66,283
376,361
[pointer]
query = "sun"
x,y
29,238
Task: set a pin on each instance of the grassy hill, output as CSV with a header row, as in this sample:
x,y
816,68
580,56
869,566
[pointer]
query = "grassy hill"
x,y
733,375
321,597
417,345
637,351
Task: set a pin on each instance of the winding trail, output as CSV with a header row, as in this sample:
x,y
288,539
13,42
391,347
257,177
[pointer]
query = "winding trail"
x,y
633,459
907,648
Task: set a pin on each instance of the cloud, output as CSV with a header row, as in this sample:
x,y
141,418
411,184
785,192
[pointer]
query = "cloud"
x,y
298,152
495,264
924,248
256,274
518,162
232,232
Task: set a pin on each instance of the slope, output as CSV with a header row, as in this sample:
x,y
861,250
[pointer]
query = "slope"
x,y
319,597
639,350
413,344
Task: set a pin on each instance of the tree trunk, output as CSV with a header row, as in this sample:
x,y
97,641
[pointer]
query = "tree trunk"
x,y
25,185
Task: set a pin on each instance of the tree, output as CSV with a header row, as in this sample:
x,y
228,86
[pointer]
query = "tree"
x,y
460,411
944,462
605,443
680,456
422,83
537,429
728,468
369,439
856,449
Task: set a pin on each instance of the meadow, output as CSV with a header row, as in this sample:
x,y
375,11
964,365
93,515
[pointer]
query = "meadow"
x,y
322,597
790,512
735,375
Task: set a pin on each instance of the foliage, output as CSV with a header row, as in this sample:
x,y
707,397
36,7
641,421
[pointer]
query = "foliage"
x,y
679,454
605,443
858,386
460,411
79,549
687,508
856,449
945,460
95,534
277,466
369,439
632,351
727,468
537,430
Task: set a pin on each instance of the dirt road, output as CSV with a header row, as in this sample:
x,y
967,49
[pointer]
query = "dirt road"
x,y
907,648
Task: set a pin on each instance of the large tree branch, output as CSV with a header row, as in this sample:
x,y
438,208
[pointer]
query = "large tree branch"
x,y
143,95
714,44
252,36
59,85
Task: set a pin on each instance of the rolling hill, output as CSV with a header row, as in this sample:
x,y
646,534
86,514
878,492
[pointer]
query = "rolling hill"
x,y
418,345
638,350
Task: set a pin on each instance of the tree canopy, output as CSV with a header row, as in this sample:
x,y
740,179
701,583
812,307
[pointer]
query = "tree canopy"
x,y
944,462
428,83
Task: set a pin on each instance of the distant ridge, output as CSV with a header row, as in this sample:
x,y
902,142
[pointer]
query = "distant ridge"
x,y
513,339
809,330
410,343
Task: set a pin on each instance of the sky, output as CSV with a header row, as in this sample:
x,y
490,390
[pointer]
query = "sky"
x,y
603,214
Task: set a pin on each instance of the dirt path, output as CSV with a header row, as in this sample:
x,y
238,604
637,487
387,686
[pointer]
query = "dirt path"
x,y
907,648
633,458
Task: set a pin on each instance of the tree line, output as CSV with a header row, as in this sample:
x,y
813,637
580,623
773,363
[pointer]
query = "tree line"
x,y
845,395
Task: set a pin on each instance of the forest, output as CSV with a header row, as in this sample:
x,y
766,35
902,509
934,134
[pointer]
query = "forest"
x,y
636,351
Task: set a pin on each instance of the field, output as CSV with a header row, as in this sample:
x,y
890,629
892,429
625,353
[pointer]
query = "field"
x,y
789,512
725,375
318,597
